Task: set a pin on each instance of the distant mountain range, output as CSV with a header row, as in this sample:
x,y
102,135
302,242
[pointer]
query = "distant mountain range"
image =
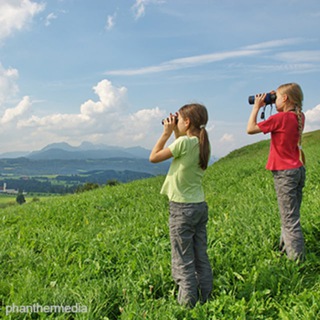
x,y
87,150
60,167
118,163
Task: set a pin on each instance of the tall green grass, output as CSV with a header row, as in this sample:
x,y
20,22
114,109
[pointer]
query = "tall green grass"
x,y
109,249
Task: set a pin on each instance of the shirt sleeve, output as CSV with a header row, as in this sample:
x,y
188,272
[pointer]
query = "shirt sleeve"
x,y
178,147
270,125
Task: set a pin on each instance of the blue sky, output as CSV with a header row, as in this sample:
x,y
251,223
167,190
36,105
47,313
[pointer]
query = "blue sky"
x,y
108,71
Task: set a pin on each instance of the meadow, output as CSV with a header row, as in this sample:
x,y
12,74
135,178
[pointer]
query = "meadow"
x,y
7,200
107,251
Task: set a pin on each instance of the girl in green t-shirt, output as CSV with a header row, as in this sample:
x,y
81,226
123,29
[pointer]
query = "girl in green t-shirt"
x,y
191,268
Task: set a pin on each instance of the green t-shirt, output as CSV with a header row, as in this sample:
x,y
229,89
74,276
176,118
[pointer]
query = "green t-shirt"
x,y
183,182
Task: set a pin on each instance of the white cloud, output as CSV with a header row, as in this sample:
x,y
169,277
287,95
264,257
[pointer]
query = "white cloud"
x,y
186,62
51,16
276,43
8,86
105,120
110,22
139,7
227,137
313,119
142,117
110,99
55,122
300,56
94,116
16,15
141,124
297,61
15,113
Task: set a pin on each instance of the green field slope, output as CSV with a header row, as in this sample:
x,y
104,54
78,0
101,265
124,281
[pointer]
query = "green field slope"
x,y
105,254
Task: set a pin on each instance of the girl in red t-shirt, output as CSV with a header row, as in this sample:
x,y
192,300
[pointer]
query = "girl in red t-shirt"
x,y
286,161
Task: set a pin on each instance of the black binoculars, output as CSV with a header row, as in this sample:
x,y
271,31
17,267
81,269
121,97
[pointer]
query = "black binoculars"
x,y
269,99
175,118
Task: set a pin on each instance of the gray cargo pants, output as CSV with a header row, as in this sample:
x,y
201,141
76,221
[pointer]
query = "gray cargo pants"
x,y
191,268
289,185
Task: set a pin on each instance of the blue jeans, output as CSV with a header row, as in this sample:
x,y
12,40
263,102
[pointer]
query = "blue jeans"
x,y
289,185
191,268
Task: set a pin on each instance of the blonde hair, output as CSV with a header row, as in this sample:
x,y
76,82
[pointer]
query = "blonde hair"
x,y
295,98
198,116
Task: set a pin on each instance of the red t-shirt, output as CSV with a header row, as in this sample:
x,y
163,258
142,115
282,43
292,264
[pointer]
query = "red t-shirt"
x,y
284,151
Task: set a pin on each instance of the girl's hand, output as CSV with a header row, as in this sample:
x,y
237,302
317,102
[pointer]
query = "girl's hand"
x,y
252,126
169,124
159,152
259,100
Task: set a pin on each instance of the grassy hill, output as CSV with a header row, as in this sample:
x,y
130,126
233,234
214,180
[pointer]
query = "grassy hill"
x,y
107,252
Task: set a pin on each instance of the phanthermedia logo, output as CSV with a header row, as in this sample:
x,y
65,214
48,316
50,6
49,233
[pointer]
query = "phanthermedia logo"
x,y
37,308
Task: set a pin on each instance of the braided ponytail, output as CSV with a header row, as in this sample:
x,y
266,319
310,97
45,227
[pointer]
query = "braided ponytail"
x,y
299,116
295,97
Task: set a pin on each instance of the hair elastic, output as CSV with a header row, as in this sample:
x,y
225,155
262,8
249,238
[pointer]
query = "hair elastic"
x,y
203,126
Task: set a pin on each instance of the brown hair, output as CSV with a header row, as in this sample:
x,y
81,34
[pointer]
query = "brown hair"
x,y
198,116
295,98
